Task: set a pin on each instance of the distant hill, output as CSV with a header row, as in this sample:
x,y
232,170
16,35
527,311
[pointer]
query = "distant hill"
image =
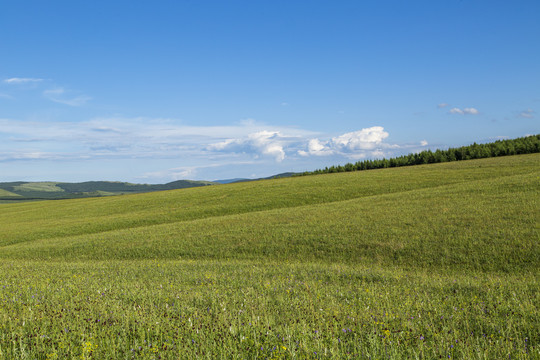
x,y
18,191
282,175
229,181
28,191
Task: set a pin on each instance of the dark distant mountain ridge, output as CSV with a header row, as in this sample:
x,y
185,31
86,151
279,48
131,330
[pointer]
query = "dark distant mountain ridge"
x,y
277,176
17,191
26,191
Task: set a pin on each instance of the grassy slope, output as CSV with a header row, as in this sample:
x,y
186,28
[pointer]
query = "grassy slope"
x,y
9,194
420,262
480,214
38,187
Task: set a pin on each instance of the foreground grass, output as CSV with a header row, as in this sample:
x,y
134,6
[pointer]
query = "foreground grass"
x,y
438,261
239,310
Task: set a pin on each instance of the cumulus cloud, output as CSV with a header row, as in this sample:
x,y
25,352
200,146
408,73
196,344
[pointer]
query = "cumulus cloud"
x,y
16,80
365,139
423,143
465,111
270,143
470,111
356,144
318,148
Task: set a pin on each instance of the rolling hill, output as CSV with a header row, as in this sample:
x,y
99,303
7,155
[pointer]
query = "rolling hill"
x,y
26,191
430,261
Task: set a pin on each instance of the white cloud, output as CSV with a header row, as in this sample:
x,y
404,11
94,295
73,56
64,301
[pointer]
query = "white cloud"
x,y
179,173
423,143
54,92
442,105
277,145
139,138
465,111
270,143
318,148
353,145
220,146
470,111
191,172
61,96
378,154
528,114
22,80
365,139
184,151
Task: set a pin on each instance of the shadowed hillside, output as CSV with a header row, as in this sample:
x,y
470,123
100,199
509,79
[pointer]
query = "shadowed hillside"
x,y
25,191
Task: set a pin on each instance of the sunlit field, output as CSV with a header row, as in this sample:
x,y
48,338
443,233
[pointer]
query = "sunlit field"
x,y
423,262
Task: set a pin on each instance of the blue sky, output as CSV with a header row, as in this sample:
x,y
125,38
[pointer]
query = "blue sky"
x,y
156,91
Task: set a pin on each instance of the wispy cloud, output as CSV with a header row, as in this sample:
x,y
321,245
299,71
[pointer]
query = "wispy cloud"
x,y
528,114
193,149
62,96
49,90
179,173
152,138
465,111
190,172
16,80
442,105
165,139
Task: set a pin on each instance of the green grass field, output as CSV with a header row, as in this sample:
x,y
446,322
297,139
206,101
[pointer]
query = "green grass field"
x,y
424,262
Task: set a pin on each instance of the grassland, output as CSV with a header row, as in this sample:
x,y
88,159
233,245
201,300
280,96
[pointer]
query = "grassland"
x,y
434,261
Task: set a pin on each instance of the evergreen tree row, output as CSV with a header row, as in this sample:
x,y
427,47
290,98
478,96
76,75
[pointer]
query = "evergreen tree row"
x,y
523,145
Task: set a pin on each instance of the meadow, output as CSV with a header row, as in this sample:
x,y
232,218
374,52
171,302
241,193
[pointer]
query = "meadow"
x,y
422,262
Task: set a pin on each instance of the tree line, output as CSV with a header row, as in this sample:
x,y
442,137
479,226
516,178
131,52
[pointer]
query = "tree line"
x,y
523,145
